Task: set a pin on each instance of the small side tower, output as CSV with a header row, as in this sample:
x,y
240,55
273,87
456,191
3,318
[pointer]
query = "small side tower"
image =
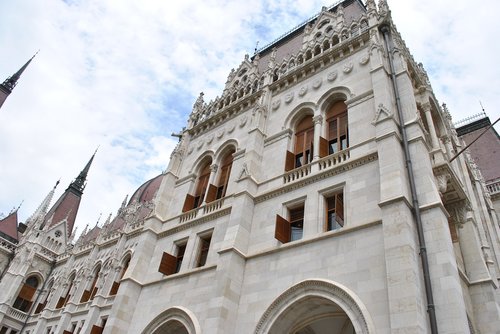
x,y
8,85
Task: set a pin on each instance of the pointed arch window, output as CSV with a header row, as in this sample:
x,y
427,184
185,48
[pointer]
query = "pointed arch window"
x,y
303,144
41,306
116,283
67,295
89,293
337,128
225,172
24,299
195,200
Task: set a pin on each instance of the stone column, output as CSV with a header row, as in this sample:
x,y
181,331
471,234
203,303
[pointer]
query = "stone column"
x,y
432,130
318,122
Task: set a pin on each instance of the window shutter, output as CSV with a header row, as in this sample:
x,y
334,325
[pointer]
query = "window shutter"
x,y
323,147
282,229
211,193
114,288
67,332
27,292
85,296
188,203
168,264
60,302
96,330
92,295
289,161
39,308
339,207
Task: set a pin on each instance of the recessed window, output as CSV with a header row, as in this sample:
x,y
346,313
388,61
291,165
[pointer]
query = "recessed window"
x,y
291,229
203,253
181,249
334,218
171,264
303,146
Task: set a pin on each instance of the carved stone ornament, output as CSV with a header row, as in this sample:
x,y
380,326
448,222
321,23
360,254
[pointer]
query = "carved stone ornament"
x,y
231,128
332,76
303,91
210,139
244,171
381,114
219,134
276,104
364,60
288,97
200,144
190,150
317,83
442,183
348,68
243,121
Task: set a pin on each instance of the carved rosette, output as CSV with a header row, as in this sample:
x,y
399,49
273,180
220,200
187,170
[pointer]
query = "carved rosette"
x,y
332,76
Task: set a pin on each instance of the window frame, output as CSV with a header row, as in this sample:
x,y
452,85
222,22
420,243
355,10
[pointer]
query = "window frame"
x,y
204,243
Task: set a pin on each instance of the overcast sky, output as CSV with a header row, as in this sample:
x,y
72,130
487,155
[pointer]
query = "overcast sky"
x,y
123,75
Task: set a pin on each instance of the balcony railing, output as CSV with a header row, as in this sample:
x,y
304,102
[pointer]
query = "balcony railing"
x,y
204,209
16,314
320,165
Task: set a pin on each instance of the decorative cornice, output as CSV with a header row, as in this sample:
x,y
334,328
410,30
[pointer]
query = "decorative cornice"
x,y
194,222
286,133
313,178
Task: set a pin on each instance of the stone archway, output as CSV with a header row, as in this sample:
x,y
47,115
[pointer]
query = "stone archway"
x,y
316,306
175,320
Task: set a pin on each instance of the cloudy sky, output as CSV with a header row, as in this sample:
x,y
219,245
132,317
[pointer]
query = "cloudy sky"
x,y
123,75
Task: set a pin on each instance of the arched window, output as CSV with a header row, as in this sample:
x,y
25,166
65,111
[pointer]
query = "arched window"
x,y
303,144
337,127
225,172
25,297
195,200
67,294
116,283
41,306
90,292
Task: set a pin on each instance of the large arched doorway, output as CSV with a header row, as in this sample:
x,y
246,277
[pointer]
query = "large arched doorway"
x,y
313,315
175,320
316,306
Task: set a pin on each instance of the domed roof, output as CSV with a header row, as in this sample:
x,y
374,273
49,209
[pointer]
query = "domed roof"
x,y
147,191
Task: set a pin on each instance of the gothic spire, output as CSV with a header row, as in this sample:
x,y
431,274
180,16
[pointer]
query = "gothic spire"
x,y
79,183
11,82
44,206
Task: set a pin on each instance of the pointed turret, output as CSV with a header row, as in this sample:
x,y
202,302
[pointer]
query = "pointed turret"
x,y
43,207
66,207
8,85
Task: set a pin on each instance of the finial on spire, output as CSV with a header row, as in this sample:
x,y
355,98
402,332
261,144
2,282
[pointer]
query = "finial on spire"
x,y
79,183
11,82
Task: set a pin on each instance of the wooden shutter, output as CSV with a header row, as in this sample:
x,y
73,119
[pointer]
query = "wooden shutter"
x,y
289,161
168,264
188,203
67,332
94,291
39,308
323,147
60,302
96,330
114,288
85,296
339,207
211,193
282,229
27,292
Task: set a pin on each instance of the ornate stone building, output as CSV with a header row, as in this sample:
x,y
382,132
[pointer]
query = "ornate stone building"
x,y
317,194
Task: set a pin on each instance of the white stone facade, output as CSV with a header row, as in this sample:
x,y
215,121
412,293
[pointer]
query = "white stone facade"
x,y
235,275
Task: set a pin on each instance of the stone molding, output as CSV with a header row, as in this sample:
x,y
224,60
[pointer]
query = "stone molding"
x,y
329,290
175,313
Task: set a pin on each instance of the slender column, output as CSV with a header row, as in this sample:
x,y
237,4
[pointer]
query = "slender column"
x,y
318,121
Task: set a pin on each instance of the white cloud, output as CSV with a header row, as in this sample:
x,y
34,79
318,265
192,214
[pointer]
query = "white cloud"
x,y
123,75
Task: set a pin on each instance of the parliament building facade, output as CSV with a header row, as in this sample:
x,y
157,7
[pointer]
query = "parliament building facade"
x,y
321,192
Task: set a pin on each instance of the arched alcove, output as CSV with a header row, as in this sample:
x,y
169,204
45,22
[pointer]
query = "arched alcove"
x,y
316,306
175,320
